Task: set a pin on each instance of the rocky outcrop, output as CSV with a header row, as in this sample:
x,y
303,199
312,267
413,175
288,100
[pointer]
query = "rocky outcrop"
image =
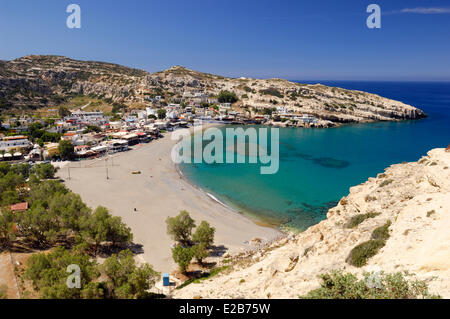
x,y
39,81
414,197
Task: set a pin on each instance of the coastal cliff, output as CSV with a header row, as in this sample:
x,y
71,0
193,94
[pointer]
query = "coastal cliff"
x,y
34,82
409,203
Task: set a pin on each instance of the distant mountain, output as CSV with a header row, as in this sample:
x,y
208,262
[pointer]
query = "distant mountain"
x,y
36,81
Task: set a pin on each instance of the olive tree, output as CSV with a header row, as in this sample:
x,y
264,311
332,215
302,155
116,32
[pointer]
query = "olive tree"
x,y
180,227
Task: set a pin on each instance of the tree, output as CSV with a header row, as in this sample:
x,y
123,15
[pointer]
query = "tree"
x,y
7,228
63,111
126,280
182,256
44,170
22,169
71,211
161,114
39,225
204,234
66,150
118,232
199,252
101,226
48,273
180,227
227,97
10,197
44,191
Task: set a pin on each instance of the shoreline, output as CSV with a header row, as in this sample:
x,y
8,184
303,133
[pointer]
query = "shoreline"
x,y
248,215
252,216
160,191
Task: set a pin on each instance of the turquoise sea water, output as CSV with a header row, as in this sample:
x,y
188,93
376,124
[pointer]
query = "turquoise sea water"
x,y
317,166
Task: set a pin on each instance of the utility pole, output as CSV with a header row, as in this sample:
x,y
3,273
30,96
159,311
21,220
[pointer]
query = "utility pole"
x,y
68,170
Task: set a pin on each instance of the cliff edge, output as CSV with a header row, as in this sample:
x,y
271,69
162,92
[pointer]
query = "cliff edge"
x,y
412,202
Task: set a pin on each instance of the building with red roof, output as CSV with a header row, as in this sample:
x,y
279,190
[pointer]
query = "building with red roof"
x,y
20,207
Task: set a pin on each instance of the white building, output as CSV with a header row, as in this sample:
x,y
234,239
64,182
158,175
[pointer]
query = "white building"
x,y
87,116
305,118
10,142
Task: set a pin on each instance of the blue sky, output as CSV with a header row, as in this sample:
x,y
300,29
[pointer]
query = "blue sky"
x,y
321,39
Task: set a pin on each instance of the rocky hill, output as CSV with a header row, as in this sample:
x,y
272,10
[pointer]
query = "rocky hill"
x,y
41,81
408,205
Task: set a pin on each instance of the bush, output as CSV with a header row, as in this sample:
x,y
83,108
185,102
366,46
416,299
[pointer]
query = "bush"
x,y
360,254
273,92
204,276
382,232
227,97
358,219
373,286
386,182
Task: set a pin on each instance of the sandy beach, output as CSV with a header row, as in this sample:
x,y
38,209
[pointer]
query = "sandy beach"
x,y
158,192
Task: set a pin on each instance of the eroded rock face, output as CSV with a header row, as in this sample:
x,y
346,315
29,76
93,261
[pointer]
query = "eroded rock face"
x,y
415,197
41,81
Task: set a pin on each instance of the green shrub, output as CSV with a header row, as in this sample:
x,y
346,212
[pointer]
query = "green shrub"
x,y
213,272
386,182
227,97
272,91
361,253
373,286
358,219
382,232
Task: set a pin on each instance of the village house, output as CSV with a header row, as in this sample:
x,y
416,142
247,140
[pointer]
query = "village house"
x,y
14,142
19,207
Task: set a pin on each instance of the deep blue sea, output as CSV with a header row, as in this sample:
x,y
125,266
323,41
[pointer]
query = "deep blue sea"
x,y
318,166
